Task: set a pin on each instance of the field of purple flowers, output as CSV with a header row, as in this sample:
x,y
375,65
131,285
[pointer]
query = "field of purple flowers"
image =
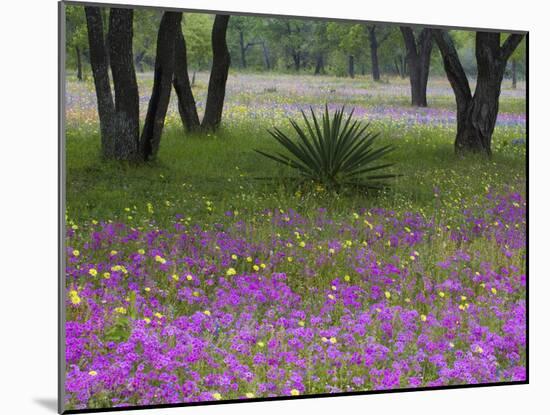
x,y
190,281
187,314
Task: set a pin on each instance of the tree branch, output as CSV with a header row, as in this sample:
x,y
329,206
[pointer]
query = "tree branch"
x,y
453,68
510,45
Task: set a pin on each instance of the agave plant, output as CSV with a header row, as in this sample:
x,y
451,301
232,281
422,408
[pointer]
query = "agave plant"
x,y
334,152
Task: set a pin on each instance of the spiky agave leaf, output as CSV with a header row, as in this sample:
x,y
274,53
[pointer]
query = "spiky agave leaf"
x,y
333,151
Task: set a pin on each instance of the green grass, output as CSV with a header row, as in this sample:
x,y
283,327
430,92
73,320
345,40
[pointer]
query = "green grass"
x,y
204,176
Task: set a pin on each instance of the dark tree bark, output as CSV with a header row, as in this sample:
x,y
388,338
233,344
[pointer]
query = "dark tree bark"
x,y
139,61
477,113
419,52
243,49
400,63
514,74
78,64
319,64
374,45
351,66
296,58
266,56
218,75
100,71
124,79
186,102
170,24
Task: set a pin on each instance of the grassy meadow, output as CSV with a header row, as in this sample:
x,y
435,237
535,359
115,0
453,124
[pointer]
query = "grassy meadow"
x,y
211,274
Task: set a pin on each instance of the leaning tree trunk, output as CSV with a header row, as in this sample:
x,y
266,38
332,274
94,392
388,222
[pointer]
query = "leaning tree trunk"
x,y
170,24
78,64
100,71
218,75
124,79
186,102
351,66
375,67
418,58
477,114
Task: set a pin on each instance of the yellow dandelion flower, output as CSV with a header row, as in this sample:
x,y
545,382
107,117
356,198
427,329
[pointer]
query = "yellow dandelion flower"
x,y
249,395
301,323
387,294
324,339
175,277
189,277
113,252
75,299
256,268
141,251
261,344
441,294
463,297
92,272
147,289
120,310
196,293
333,340
217,396
231,271
106,275
206,312
294,392
330,296
234,257
76,252
478,349
262,265
302,244
347,278
248,259
160,259
494,290
92,373
158,315
423,317
147,320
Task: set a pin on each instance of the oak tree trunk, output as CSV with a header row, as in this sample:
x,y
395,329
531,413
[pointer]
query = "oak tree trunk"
x,y
218,75
126,146
78,64
477,113
243,49
418,57
319,64
170,24
514,74
186,102
375,67
267,61
351,67
100,71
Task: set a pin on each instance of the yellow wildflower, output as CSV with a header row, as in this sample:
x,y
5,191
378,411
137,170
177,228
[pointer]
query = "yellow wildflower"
x,y
294,392
92,272
231,271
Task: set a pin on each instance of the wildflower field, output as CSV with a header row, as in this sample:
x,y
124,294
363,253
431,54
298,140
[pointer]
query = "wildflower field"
x,y
195,278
